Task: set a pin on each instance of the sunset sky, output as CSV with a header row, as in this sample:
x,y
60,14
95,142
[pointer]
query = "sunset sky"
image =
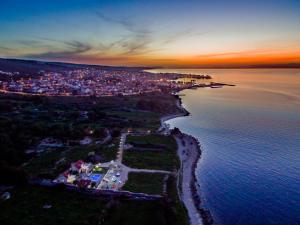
x,y
168,33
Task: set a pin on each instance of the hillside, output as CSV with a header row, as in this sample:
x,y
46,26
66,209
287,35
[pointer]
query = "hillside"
x,y
26,68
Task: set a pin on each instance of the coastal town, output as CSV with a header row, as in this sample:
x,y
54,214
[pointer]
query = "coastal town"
x,y
96,82
102,134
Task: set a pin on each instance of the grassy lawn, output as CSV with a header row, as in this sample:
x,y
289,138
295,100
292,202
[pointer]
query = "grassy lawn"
x,y
26,208
145,183
163,160
168,141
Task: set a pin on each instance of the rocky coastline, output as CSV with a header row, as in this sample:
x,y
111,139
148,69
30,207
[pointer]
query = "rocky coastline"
x,y
190,160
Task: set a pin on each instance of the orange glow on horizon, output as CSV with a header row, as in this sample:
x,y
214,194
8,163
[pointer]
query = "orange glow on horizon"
x,y
209,60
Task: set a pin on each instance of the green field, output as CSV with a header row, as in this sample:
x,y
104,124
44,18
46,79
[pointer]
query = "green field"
x,y
145,183
161,160
175,211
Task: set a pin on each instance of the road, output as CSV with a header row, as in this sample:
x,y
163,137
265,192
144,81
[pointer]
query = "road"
x,y
125,169
121,147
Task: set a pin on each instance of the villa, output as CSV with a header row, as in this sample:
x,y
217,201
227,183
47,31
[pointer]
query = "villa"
x,y
88,175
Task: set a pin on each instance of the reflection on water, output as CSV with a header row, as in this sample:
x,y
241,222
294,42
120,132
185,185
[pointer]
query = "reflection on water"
x,y
250,134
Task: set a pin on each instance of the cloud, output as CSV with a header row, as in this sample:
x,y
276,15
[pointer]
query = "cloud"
x,y
74,49
5,48
125,22
187,33
29,43
137,41
135,45
6,51
77,47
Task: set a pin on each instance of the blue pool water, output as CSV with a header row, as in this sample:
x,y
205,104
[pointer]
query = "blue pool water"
x,y
96,177
250,134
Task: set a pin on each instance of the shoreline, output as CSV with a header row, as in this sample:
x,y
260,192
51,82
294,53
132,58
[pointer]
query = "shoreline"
x,y
183,113
189,152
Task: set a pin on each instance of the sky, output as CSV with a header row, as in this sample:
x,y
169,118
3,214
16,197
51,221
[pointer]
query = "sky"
x,y
166,33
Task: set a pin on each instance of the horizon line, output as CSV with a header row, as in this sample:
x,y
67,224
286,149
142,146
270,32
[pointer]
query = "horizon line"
x,y
216,66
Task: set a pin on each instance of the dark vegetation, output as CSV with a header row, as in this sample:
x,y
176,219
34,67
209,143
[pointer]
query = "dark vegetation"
x,y
164,159
145,183
176,212
50,163
27,207
26,120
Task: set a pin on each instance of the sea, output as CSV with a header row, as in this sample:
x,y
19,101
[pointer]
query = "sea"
x,y
249,172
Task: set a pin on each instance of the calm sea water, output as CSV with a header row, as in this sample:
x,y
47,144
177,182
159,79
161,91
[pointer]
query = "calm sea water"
x,y
250,167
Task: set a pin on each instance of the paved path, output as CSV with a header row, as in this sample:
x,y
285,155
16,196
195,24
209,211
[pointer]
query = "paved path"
x,y
121,148
125,169
147,171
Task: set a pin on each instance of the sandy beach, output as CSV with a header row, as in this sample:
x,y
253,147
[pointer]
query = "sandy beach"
x,y
189,153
